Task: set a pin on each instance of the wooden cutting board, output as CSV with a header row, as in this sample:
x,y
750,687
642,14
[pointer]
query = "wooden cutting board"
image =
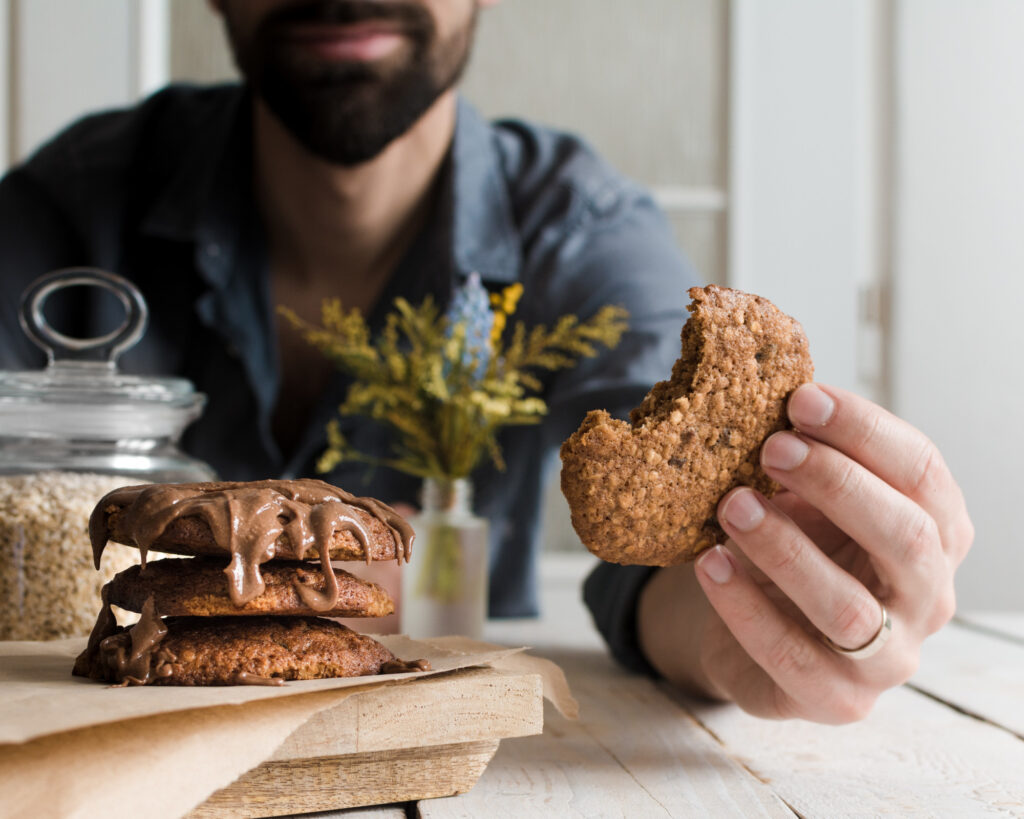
x,y
418,740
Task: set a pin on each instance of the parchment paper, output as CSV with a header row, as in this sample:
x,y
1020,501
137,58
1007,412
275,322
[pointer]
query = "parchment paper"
x,y
77,748
38,695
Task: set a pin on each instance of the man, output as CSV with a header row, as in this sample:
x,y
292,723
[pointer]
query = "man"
x,y
348,167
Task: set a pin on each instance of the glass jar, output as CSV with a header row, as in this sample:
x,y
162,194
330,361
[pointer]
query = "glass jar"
x,y
447,592
69,434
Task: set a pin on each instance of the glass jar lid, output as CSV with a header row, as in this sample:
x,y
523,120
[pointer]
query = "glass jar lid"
x,y
81,393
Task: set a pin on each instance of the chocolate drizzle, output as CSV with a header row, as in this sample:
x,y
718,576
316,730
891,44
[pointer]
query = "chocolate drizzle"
x,y
128,656
397,666
247,520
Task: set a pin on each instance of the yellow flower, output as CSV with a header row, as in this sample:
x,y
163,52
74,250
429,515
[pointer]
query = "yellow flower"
x,y
497,328
510,298
504,304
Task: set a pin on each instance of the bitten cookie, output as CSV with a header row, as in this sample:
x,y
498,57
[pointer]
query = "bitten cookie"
x,y
645,492
196,587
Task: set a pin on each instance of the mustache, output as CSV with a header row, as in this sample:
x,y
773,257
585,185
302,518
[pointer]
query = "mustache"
x,y
410,16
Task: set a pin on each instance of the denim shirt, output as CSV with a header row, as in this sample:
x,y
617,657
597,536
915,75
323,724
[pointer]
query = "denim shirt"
x,y
162,194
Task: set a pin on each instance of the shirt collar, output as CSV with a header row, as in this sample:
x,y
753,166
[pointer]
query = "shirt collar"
x,y
484,234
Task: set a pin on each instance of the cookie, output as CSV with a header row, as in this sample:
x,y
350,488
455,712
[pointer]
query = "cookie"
x,y
182,518
197,587
232,651
646,492
252,522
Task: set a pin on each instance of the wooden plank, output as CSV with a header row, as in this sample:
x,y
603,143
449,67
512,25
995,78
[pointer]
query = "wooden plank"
x,y
375,812
478,704
1008,623
976,671
911,757
308,785
393,744
633,752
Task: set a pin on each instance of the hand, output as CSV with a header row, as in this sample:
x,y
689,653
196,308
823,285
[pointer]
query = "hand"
x,y
869,514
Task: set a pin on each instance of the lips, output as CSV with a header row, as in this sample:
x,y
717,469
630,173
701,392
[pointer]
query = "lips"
x,y
334,31
362,41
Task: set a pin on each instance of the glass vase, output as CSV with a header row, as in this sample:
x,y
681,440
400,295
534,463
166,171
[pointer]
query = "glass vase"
x,y
446,583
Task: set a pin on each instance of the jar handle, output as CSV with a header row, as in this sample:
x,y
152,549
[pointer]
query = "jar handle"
x,y
62,348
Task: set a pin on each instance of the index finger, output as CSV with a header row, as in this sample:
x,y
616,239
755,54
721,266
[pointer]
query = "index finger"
x,y
892,449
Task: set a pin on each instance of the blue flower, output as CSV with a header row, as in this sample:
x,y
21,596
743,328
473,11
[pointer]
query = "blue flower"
x,y
471,308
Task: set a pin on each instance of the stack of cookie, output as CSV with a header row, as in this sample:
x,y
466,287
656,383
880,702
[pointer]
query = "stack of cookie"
x,y
246,606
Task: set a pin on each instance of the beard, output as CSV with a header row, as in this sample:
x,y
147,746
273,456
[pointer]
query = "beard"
x,y
348,112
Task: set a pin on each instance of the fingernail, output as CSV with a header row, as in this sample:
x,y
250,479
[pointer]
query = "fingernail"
x,y
784,451
810,406
743,510
715,564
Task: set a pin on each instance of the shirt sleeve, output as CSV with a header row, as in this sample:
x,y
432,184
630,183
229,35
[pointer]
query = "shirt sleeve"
x,y
629,257
611,593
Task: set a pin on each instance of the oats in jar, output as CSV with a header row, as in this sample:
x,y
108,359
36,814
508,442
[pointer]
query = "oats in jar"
x,y
48,586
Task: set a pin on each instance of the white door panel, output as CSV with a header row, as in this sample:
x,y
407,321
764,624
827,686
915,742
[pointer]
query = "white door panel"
x,y
957,331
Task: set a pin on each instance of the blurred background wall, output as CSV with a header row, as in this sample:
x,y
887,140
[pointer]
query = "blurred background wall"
x,y
859,162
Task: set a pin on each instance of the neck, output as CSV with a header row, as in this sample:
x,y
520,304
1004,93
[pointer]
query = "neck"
x,y
326,221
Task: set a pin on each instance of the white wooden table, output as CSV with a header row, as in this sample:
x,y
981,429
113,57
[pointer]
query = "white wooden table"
x,y
949,743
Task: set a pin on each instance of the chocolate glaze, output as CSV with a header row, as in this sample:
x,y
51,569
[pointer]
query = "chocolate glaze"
x,y
133,656
397,666
246,520
105,625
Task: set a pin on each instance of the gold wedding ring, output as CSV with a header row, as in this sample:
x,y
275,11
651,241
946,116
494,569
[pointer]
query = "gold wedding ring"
x,y
872,646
